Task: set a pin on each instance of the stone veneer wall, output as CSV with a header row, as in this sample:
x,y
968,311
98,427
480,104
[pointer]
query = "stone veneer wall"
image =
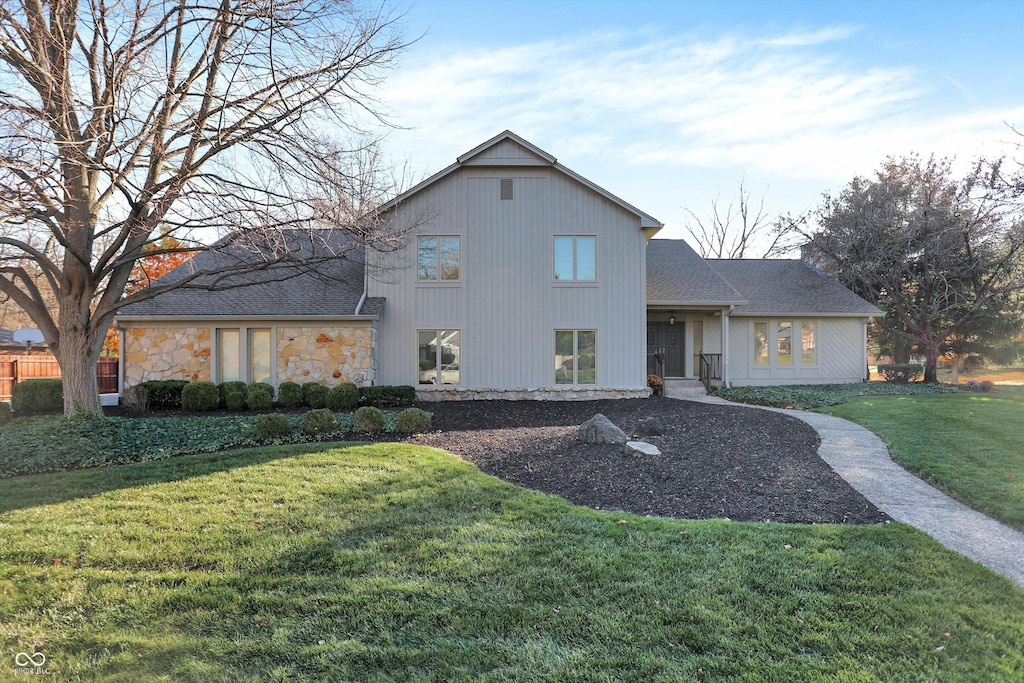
x,y
574,393
152,353
328,355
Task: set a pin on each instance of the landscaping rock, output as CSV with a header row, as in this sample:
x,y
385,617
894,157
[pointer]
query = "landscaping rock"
x,y
640,448
599,429
651,426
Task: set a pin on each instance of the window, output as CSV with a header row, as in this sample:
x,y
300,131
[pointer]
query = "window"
x,y
575,258
228,355
760,343
259,355
438,257
808,344
575,357
439,356
506,188
256,359
784,344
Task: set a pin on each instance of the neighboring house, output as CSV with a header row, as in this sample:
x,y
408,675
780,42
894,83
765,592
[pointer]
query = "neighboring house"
x,y
521,279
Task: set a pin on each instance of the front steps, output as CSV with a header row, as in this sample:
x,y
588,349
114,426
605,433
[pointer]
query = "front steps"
x,y
675,388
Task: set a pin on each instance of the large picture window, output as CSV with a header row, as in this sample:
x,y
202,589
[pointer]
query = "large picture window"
x,y
259,355
575,357
256,358
229,355
439,258
784,343
575,258
439,357
808,344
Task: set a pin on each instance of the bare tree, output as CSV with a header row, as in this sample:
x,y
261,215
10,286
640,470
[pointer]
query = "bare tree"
x,y
732,230
940,254
122,122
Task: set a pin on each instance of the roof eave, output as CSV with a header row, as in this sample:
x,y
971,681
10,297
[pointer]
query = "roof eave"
x,y
239,318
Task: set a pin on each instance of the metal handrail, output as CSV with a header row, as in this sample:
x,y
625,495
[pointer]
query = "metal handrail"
x,y
710,369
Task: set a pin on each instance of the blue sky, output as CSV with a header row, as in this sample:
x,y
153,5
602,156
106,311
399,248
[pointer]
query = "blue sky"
x,y
670,104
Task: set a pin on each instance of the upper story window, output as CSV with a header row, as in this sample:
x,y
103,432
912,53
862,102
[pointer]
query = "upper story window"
x,y
439,258
575,258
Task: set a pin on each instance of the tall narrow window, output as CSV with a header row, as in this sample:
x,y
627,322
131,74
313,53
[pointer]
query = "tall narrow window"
x,y
228,355
808,344
760,343
784,343
439,356
575,258
506,188
575,357
259,355
438,257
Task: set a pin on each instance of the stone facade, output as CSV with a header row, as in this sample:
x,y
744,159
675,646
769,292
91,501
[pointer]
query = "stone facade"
x,y
155,353
328,355
574,393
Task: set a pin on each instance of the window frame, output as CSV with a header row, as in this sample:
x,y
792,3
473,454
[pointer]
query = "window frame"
x,y
438,260
772,328
575,258
575,358
814,339
438,369
244,352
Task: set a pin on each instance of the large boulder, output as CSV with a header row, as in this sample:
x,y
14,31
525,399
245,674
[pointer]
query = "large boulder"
x,y
651,426
599,429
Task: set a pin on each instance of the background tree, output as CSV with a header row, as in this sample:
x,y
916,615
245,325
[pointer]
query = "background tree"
x,y
941,255
122,123
733,230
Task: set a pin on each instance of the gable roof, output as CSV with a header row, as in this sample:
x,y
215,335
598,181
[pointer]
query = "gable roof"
x,y
677,275
325,287
788,287
529,155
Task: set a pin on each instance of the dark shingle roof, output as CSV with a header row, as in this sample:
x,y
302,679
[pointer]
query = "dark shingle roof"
x,y
327,281
676,274
778,286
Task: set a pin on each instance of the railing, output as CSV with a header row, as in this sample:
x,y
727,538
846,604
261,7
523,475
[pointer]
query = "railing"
x,y
17,368
655,365
710,369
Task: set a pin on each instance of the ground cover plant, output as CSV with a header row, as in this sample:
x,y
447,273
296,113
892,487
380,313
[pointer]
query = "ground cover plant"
x,y
401,562
968,444
810,396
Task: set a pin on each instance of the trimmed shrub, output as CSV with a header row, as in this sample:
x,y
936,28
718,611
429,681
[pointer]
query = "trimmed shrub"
x,y
319,421
272,425
259,396
226,388
902,373
987,385
38,396
5,413
164,394
343,398
412,421
289,395
368,420
235,399
386,396
314,395
199,396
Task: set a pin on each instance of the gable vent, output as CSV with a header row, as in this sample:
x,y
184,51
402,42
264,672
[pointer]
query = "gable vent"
x,y
506,188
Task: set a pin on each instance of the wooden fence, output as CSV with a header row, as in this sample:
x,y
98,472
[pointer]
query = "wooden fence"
x,y
16,368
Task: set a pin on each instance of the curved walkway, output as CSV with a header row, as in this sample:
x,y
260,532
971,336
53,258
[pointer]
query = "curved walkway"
x,y
860,457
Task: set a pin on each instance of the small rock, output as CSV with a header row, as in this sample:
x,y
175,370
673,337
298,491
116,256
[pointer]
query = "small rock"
x,y
599,429
640,448
651,426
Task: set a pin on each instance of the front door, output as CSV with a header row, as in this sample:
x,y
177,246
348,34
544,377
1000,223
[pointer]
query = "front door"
x,y
667,341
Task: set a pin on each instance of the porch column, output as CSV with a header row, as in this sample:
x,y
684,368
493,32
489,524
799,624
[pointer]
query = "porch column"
x,y
725,347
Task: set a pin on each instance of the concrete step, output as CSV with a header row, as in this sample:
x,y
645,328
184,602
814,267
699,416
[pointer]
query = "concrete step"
x,y
684,387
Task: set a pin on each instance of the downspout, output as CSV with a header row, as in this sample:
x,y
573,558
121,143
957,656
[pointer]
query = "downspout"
x,y
725,345
864,340
121,359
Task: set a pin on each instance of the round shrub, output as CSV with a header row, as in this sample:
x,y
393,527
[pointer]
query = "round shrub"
x,y
972,385
413,421
343,398
226,388
272,425
314,395
235,399
5,413
289,395
319,421
199,396
38,396
258,396
368,420
987,385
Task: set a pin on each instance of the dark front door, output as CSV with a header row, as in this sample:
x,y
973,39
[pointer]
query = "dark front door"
x,y
667,341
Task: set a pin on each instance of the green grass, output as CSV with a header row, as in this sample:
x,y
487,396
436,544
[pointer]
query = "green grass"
x,y
397,562
970,445
811,396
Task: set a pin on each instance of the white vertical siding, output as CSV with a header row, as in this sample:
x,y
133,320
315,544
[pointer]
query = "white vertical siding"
x,y
507,303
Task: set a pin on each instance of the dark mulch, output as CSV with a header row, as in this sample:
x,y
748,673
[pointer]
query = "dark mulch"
x,y
717,461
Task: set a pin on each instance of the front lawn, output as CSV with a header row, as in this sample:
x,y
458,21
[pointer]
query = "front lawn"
x,y
400,562
970,445
811,396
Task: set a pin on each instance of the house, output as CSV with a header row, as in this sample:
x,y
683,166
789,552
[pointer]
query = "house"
x,y
519,279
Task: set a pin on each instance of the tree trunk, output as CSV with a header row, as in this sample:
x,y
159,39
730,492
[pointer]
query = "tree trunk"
x,y
931,362
77,351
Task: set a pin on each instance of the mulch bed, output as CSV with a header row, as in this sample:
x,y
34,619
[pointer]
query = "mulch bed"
x,y
717,461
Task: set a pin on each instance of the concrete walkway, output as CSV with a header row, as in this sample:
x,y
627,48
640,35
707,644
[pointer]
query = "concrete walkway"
x,y
861,458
